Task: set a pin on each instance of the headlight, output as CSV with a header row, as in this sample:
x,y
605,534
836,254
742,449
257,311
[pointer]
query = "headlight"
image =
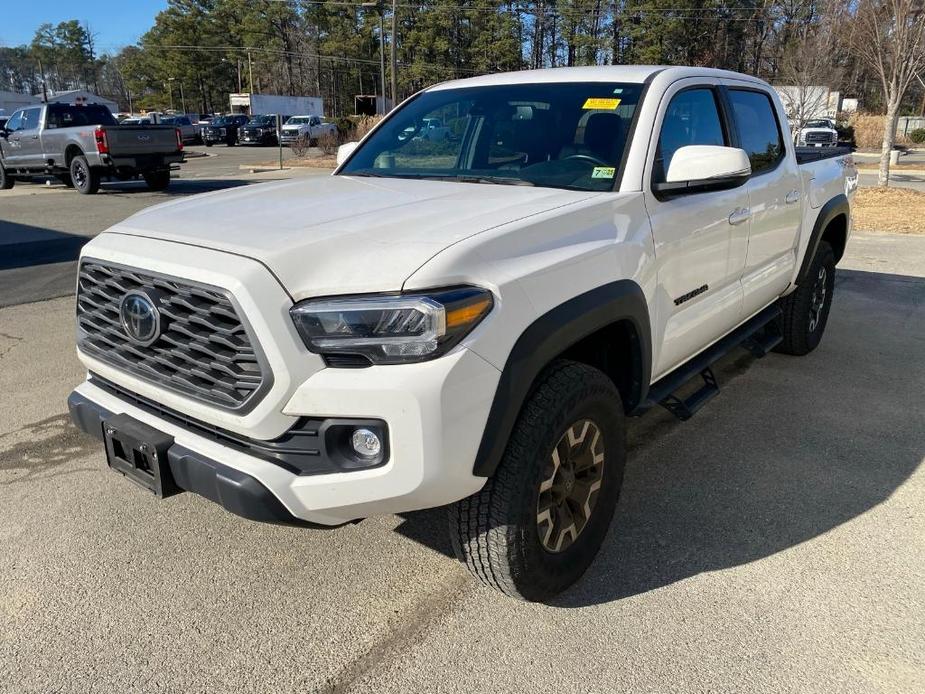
x,y
391,329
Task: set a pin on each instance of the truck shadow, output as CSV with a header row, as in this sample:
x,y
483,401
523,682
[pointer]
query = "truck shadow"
x,y
178,186
793,448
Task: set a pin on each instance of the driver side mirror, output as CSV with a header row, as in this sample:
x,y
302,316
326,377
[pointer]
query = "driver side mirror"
x,y
702,168
344,151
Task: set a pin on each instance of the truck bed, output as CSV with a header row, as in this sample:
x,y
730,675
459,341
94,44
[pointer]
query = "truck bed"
x,y
808,154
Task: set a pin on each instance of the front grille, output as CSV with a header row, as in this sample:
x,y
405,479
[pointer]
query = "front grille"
x,y
819,137
204,349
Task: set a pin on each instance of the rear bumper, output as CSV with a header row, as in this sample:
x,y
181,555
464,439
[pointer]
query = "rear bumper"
x,y
141,162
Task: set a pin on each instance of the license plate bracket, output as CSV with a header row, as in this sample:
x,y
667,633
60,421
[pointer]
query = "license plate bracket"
x,y
139,452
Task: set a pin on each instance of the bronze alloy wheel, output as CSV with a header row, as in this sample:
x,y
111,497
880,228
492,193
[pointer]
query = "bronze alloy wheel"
x,y
571,481
817,302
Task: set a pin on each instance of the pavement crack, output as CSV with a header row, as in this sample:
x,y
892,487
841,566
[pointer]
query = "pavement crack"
x,y
14,340
410,625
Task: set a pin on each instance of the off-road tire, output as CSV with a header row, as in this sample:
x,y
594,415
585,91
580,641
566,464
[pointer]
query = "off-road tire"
x,y
495,532
805,314
157,180
86,180
209,143
6,180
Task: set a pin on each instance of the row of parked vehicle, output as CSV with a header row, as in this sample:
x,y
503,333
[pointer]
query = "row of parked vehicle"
x,y
265,130
238,129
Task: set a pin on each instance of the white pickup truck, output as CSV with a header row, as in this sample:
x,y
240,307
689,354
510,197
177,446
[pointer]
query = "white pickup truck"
x,y
464,323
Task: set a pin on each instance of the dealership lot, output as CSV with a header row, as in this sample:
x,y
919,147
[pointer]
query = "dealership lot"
x,y
776,542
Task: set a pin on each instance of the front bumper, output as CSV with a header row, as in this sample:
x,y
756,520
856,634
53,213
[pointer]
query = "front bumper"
x,y
434,412
236,491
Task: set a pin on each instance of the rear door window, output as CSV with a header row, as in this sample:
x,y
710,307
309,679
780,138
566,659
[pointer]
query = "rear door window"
x,y
759,132
692,118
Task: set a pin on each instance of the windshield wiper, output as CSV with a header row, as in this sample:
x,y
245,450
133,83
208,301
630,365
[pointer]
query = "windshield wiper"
x,y
501,180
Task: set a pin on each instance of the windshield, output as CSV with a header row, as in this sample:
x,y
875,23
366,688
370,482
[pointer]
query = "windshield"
x,y
298,120
223,120
818,124
262,120
566,135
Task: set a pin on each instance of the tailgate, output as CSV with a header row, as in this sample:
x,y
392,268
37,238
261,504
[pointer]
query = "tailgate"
x,y
141,139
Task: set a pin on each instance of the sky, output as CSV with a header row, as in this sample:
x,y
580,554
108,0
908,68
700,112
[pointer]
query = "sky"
x,y
115,23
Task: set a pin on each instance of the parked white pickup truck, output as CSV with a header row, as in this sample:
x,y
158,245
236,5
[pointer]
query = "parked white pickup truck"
x,y
464,323
305,129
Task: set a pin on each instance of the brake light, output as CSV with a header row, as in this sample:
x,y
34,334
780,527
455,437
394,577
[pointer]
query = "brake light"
x,y
102,144
179,140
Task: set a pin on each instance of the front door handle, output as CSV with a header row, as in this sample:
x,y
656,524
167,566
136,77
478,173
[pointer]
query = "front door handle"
x,y
739,215
792,197
35,137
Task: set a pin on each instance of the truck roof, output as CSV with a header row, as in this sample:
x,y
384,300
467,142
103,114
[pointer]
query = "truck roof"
x,y
594,73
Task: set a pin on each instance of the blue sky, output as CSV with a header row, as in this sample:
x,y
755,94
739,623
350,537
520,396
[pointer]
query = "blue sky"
x,y
115,23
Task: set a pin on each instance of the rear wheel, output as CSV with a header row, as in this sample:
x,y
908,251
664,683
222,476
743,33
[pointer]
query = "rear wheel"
x,y
157,180
86,180
6,180
806,309
538,523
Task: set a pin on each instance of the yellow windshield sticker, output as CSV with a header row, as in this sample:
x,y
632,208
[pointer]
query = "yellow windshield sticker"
x,y
603,172
594,103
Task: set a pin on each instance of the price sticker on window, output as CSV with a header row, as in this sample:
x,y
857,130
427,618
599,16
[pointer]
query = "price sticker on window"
x,y
603,172
601,104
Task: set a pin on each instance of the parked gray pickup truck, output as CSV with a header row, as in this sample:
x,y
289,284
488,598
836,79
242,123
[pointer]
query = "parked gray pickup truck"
x,y
83,144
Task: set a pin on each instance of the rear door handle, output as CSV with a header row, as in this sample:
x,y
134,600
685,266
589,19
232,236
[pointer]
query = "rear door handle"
x,y
739,215
792,197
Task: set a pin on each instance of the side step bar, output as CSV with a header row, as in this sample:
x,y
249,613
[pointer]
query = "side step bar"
x,y
748,335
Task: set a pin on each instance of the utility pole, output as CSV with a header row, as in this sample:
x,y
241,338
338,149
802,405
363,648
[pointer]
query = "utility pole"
x,y
44,87
394,53
378,7
250,73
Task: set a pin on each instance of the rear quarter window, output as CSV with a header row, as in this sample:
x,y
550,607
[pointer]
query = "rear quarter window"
x,y
759,132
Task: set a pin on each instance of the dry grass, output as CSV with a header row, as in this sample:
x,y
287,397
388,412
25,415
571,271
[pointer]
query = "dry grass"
x,y
890,210
317,162
868,130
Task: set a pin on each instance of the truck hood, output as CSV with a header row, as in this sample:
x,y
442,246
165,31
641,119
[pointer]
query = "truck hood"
x,y
828,131
339,234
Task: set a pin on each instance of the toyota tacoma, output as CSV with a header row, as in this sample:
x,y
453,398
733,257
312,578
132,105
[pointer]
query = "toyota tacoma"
x,y
467,322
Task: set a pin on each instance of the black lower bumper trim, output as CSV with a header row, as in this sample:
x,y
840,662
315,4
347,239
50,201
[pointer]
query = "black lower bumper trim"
x,y
236,491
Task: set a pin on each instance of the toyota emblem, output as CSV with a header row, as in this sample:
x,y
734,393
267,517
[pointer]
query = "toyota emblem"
x,y
140,318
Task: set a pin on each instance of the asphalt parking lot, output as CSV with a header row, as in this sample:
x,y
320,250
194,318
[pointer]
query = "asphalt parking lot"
x,y
774,543
44,226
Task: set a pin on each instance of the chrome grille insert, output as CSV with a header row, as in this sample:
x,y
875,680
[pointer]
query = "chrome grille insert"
x,y
204,351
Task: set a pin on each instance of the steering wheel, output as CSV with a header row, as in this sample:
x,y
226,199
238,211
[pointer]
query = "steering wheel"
x,y
588,158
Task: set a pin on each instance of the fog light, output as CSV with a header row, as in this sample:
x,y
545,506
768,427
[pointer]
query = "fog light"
x,y
366,443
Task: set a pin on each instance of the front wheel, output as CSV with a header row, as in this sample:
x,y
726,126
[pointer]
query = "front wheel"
x,y
85,179
806,309
6,180
538,523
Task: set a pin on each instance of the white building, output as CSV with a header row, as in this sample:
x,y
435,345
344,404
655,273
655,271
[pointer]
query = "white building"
x,y
804,103
79,96
11,101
